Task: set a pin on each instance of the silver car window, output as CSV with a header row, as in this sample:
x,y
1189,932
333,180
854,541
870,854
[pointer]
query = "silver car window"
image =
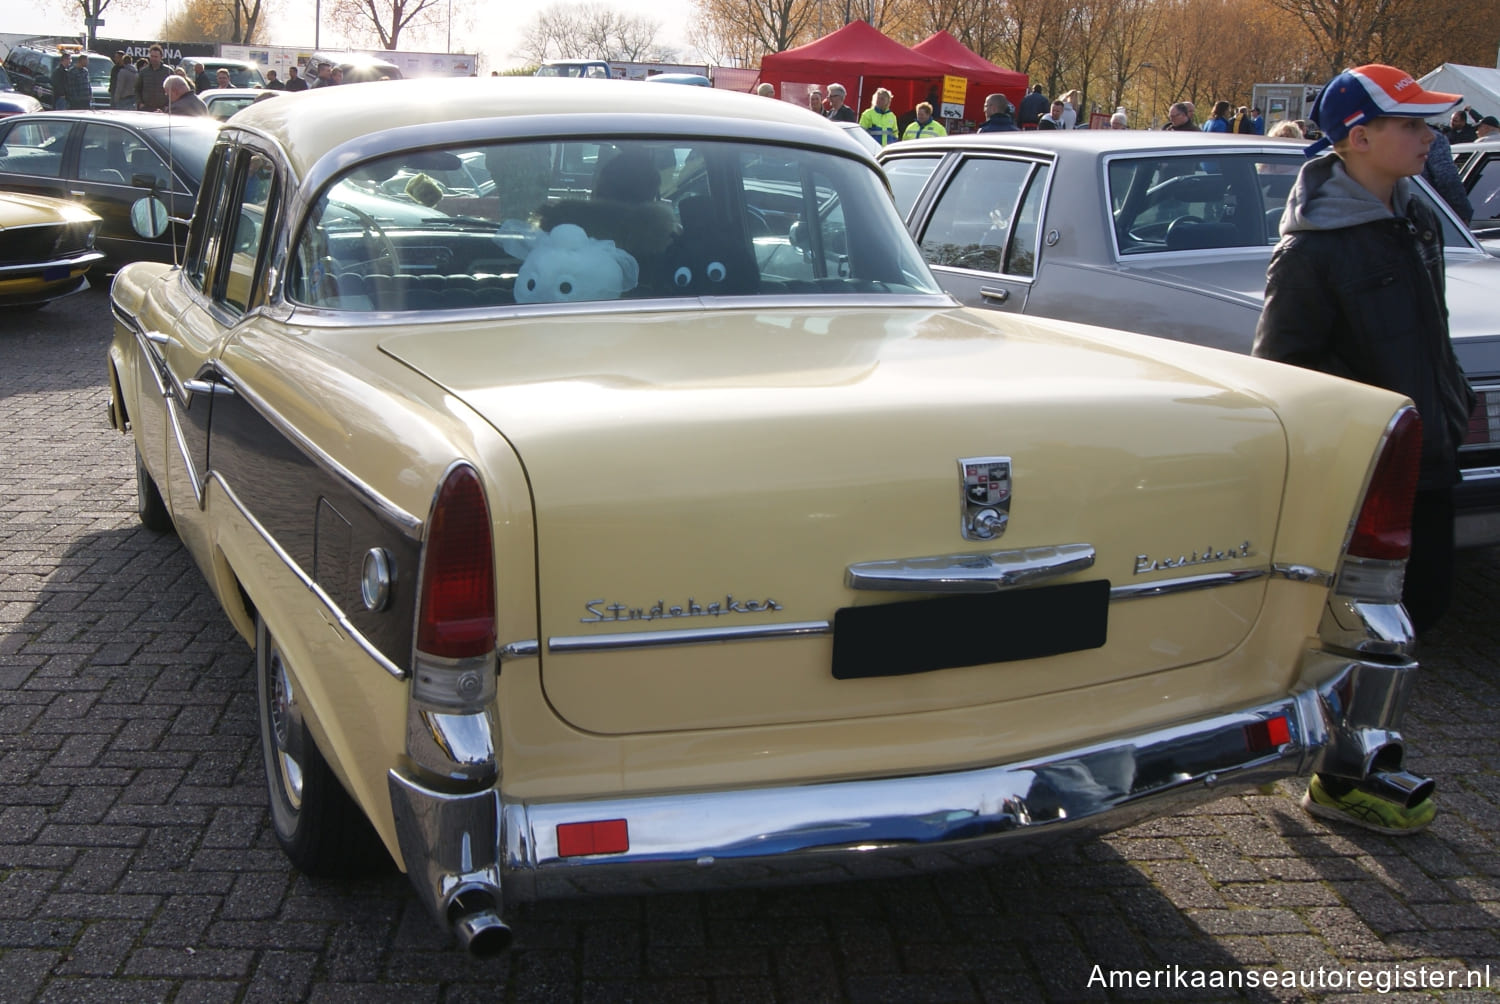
x,y
1484,191
1191,203
971,222
604,219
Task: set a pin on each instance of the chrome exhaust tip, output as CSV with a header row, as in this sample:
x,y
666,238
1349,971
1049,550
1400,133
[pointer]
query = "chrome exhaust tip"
x,y
477,925
1400,786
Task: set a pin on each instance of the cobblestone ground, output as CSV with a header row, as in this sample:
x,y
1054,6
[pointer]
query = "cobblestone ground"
x,y
137,863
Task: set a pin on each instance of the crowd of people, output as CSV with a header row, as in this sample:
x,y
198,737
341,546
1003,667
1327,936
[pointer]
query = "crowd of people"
x,y
150,84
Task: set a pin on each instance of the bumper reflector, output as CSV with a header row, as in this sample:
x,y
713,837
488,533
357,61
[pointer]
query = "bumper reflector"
x,y
606,836
1267,735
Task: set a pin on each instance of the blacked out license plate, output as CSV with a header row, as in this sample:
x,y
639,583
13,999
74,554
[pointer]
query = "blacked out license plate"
x,y
918,636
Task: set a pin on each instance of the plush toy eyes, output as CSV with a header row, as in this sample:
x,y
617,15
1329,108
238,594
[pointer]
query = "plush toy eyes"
x,y
683,276
565,288
716,271
531,285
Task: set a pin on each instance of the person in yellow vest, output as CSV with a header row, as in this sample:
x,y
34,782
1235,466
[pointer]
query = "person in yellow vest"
x,y
879,121
925,124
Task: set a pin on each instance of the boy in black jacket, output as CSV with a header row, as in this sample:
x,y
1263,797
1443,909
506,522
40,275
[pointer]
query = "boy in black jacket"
x,y
1355,288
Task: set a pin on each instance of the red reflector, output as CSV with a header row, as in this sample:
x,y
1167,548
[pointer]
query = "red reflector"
x,y
1383,529
1269,734
607,836
1484,421
457,617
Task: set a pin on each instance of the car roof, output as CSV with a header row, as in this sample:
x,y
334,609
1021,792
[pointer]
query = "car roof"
x,y
407,113
150,121
1098,141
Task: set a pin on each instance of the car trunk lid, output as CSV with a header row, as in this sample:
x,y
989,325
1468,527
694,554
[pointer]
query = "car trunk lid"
x,y
723,471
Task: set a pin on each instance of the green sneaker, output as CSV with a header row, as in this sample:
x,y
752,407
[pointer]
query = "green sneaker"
x,y
1369,811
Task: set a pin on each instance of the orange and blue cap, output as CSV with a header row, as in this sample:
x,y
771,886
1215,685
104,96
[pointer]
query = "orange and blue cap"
x,y
1369,92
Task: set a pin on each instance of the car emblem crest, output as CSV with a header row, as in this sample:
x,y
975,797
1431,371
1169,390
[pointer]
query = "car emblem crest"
x,y
985,484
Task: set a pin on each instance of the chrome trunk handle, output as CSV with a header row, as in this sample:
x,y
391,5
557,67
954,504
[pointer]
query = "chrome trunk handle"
x,y
971,573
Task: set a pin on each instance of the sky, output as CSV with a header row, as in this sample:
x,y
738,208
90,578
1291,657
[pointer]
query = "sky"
x,y
493,32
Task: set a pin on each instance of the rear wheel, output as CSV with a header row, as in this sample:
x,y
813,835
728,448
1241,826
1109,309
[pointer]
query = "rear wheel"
x,y
148,502
318,825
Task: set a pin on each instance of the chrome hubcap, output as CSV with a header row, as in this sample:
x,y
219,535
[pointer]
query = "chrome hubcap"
x,y
284,719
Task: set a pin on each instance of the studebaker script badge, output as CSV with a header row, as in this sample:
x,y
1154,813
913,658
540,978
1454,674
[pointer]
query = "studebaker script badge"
x,y
1145,563
602,613
985,483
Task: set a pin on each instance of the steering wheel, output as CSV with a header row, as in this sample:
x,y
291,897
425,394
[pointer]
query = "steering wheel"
x,y
372,228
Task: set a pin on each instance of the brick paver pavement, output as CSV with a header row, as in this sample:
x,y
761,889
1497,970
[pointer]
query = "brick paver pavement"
x,y
137,864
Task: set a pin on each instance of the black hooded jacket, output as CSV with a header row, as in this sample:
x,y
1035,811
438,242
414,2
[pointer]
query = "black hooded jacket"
x,y
1358,292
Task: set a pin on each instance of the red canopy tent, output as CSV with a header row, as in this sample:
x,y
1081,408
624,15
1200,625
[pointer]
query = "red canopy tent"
x,y
862,59
984,76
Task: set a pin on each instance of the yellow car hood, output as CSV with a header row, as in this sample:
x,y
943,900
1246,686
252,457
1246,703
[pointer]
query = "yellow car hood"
x,y
18,209
746,458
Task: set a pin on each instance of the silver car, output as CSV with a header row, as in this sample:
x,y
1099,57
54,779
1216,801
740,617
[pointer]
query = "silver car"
x,y
1166,234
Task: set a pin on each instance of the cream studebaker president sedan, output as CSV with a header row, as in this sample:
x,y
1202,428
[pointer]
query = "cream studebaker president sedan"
x,y
614,501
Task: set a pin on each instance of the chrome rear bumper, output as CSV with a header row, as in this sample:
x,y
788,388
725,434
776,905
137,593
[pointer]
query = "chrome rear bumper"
x,y
453,844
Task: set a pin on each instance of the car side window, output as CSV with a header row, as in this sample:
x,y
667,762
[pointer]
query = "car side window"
x,y
1189,203
1020,258
908,176
105,155
1484,190
213,200
971,223
248,215
34,148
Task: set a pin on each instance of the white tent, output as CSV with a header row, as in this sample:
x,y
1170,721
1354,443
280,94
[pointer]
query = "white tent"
x,y
1480,86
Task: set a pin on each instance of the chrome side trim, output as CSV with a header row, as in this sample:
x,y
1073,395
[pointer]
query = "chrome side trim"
x,y
1188,583
1480,473
521,649
970,573
312,587
72,261
687,636
411,524
194,478
1302,573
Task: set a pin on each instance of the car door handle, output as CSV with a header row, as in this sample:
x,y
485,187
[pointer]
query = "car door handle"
x,y
158,338
208,387
995,295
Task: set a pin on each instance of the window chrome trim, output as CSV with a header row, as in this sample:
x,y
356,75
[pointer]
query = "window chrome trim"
x,y
686,636
308,315
317,591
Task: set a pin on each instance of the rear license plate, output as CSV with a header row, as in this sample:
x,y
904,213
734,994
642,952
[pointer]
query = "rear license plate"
x,y
918,636
56,272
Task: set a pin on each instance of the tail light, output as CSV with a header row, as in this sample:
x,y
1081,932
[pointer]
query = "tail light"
x,y
1484,421
454,666
457,618
1383,529
1374,564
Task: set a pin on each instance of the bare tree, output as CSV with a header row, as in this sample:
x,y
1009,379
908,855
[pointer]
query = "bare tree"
x,y
1344,32
93,11
384,20
592,31
755,27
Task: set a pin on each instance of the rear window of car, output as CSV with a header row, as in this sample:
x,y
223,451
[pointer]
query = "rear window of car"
x,y
591,220
1194,203
189,145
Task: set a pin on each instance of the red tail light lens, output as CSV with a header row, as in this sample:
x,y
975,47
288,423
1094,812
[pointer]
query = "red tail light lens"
x,y
1383,529
1484,421
457,618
